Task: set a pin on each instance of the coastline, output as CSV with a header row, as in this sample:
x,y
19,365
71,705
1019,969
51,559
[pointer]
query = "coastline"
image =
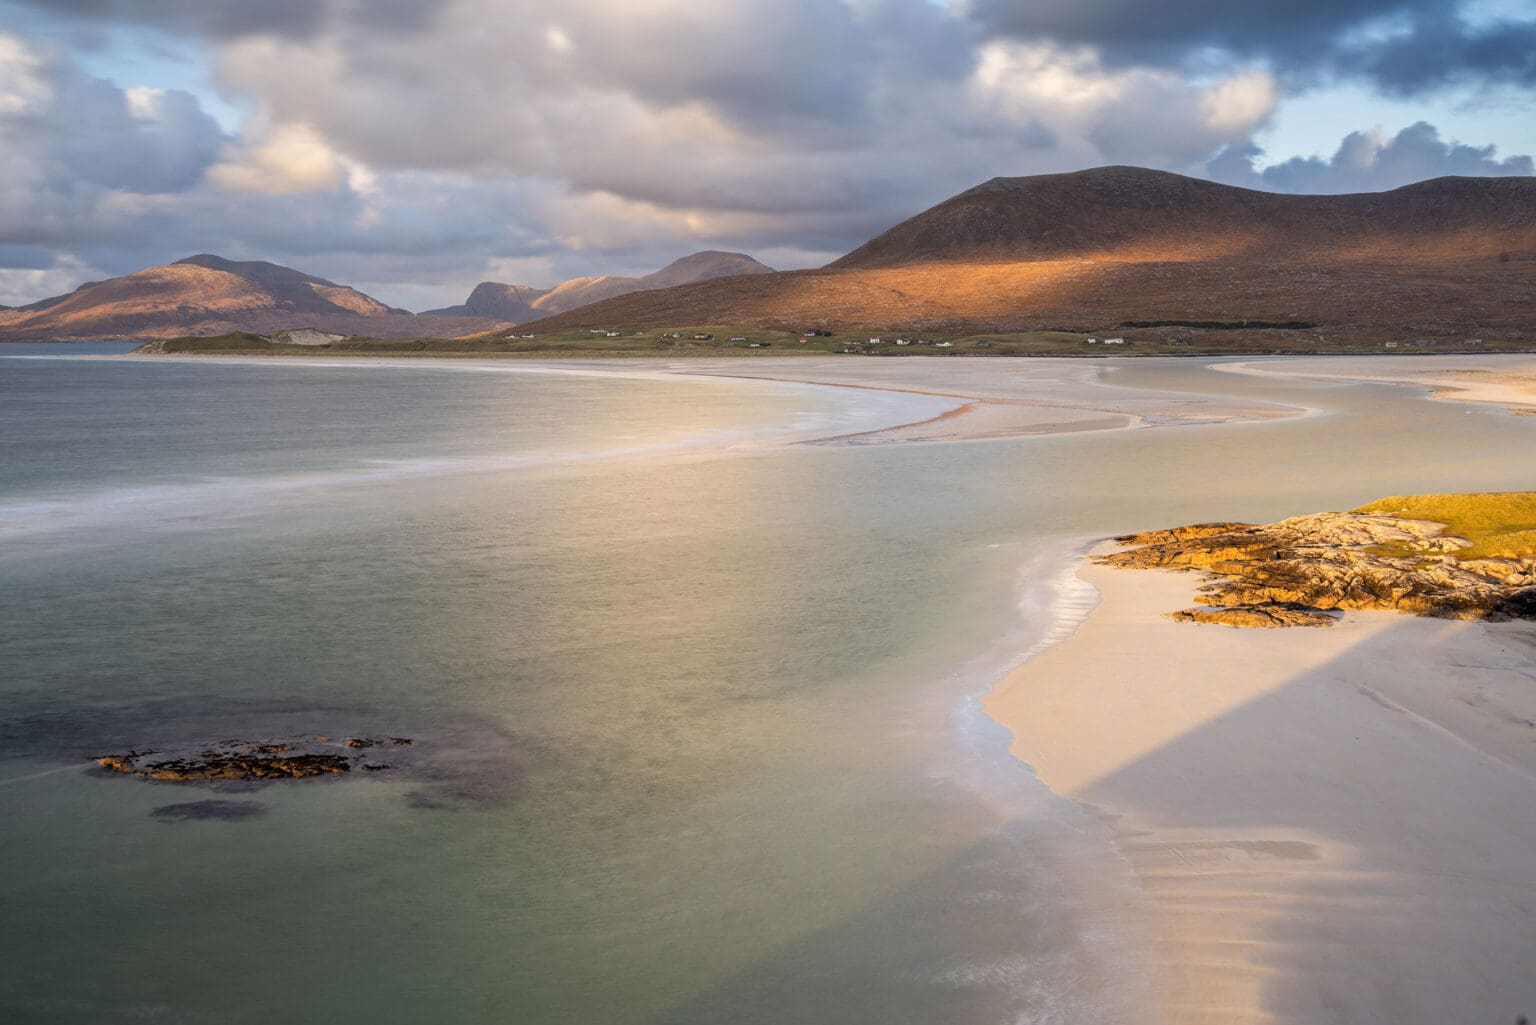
x,y
991,399
1332,826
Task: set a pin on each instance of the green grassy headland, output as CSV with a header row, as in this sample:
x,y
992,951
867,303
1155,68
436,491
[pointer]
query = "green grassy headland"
x,y
1500,524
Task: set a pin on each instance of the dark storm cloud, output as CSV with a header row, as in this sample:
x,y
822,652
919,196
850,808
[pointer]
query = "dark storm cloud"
x,y
1437,52
217,18
1167,31
1402,45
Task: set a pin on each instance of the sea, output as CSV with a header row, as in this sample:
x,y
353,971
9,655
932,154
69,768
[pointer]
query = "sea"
x,y
692,692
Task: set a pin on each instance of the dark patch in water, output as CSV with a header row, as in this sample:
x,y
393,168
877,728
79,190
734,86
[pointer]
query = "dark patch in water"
x,y
203,811
448,763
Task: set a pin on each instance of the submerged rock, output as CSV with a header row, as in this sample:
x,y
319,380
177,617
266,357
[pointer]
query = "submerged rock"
x,y
1297,571
244,760
222,811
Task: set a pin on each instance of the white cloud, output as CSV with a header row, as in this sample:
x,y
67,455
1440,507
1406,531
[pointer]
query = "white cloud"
x,y
1368,161
286,159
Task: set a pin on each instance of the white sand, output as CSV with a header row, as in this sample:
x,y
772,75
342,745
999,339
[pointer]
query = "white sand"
x,y
1330,826
1004,398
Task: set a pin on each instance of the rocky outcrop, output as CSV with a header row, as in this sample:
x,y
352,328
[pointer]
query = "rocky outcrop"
x,y
1304,570
251,760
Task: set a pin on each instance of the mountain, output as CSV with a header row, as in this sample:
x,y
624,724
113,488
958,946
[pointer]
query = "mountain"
x,y
1111,208
519,303
1113,246
500,302
208,295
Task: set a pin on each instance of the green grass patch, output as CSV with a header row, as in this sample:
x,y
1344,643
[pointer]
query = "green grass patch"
x,y
1500,524
237,342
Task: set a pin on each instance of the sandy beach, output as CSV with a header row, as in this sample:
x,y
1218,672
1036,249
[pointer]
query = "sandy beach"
x,y
1329,826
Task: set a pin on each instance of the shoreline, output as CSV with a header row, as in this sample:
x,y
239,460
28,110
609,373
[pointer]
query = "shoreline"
x,y
1335,828
1020,398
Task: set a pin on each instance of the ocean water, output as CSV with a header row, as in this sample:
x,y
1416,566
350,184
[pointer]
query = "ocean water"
x,y
694,703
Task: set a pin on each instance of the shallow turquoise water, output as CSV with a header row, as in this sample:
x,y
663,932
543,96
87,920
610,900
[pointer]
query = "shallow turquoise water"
x,y
694,707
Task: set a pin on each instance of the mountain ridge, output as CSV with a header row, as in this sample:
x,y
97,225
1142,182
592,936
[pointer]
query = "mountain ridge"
x,y
1110,247
518,303
206,294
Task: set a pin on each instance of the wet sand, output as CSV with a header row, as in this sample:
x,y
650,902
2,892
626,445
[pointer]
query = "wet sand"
x,y
1329,826
1505,380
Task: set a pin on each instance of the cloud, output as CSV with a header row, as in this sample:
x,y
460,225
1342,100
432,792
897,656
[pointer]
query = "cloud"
x,y
218,18
69,142
1402,46
1433,52
417,148
289,158
1367,162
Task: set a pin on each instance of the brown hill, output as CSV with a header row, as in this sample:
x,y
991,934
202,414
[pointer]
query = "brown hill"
x,y
1103,248
208,295
518,303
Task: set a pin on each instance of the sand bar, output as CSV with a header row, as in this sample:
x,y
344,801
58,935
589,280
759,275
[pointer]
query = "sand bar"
x,y
1505,379
1329,826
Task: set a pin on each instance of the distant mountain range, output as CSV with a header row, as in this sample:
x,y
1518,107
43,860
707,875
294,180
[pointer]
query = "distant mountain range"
x,y
209,295
1091,251
518,303
1117,246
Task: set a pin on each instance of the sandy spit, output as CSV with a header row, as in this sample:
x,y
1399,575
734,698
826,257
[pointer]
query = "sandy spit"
x,y
1328,826
1508,380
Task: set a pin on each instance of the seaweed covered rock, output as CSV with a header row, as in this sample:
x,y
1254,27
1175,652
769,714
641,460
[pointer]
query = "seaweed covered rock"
x,y
246,760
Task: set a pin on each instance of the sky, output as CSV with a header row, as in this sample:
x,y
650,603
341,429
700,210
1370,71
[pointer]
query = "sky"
x,y
412,148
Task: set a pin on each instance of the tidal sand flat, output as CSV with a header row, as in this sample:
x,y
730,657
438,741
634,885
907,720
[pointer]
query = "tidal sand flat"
x,y
1329,825
1502,379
